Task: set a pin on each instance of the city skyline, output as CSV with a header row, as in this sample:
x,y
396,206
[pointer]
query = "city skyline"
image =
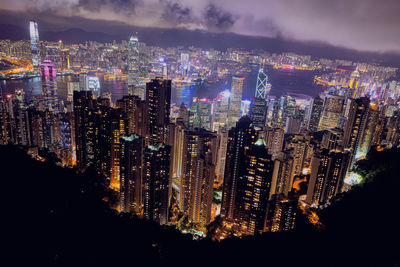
x,y
184,150
322,21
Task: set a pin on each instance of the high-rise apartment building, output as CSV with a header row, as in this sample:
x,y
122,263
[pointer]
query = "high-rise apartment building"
x,y
355,124
199,160
253,190
85,138
327,175
131,171
240,139
158,98
156,182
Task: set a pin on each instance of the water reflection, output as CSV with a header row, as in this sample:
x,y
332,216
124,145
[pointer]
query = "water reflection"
x,y
298,82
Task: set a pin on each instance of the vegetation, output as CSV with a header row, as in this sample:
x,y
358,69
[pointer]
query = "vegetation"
x,y
57,216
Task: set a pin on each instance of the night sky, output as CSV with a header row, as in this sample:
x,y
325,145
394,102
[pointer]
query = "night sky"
x,y
365,25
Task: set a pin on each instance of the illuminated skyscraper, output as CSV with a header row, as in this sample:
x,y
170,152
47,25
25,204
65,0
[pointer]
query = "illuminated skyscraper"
x,y
327,175
292,125
5,123
235,101
113,154
131,107
158,98
240,139
178,135
261,87
199,159
356,120
314,114
201,113
258,110
289,108
222,143
133,66
282,213
35,43
53,53
334,107
221,109
67,140
131,164
49,85
84,127
353,84
253,190
283,173
370,128
274,138
19,119
156,182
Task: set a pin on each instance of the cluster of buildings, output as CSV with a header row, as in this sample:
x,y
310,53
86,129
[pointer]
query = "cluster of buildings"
x,y
272,157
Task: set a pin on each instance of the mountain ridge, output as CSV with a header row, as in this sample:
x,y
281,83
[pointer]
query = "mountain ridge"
x,y
202,39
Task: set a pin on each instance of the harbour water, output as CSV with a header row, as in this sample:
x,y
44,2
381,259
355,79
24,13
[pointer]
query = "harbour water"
x,y
294,82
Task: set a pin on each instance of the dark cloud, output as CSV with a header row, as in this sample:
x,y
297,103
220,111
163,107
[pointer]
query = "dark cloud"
x,y
218,19
367,25
175,13
119,6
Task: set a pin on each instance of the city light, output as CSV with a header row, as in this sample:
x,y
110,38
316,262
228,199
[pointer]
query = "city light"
x,y
171,129
353,179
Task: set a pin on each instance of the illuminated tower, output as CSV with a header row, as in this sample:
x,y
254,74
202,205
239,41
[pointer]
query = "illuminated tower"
x,y
327,175
53,53
130,105
131,163
201,111
199,159
253,189
282,213
369,130
35,43
221,109
261,87
354,80
133,65
49,85
274,138
258,112
156,182
333,108
222,143
158,97
258,108
19,119
113,153
240,139
235,101
84,123
5,123
314,114
356,120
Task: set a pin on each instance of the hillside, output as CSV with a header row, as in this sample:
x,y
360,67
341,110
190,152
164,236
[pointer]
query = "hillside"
x,y
56,216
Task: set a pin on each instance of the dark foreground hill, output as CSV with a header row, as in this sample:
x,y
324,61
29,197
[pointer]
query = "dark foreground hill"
x,y
55,216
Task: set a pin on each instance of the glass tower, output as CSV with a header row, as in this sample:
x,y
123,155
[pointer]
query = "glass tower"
x,y
35,44
133,64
